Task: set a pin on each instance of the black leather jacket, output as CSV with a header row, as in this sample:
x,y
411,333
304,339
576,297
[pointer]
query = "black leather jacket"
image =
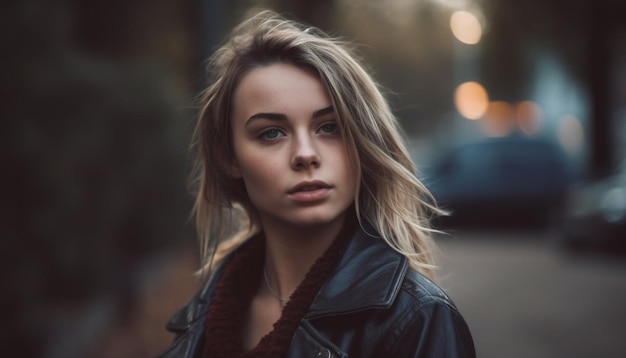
x,y
373,305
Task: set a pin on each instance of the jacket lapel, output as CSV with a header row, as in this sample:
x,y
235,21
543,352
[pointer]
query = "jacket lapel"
x,y
368,275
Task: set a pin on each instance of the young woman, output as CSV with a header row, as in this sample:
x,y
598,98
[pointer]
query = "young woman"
x,y
299,153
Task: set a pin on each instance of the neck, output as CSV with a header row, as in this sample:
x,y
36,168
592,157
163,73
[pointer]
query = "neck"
x,y
291,252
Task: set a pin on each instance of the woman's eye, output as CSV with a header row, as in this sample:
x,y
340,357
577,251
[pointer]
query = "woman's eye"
x,y
328,128
271,134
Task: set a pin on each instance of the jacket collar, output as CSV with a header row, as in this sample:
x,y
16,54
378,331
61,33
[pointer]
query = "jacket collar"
x,y
368,275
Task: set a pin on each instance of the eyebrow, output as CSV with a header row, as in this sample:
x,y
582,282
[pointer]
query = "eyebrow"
x,y
323,112
282,117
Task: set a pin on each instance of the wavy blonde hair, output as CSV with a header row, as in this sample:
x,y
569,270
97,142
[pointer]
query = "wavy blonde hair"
x,y
389,196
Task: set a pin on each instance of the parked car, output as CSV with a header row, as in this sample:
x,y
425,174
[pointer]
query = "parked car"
x,y
512,182
595,216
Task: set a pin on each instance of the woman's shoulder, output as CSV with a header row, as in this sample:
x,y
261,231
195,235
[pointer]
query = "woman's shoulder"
x,y
422,306
423,290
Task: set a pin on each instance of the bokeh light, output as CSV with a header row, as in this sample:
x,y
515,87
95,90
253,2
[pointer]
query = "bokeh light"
x,y
466,27
499,119
471,100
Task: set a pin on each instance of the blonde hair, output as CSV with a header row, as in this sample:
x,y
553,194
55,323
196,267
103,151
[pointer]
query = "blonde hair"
x,y
389,196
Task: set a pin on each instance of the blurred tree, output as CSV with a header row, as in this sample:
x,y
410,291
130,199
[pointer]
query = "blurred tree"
x,y
94,153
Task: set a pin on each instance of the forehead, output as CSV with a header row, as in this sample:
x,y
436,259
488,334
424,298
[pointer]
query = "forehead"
x,y
279,87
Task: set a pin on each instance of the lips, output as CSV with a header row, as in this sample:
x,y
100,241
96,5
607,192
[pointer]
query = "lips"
x,y
309,186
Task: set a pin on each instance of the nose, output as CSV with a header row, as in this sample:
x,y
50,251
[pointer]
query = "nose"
x,y
305,154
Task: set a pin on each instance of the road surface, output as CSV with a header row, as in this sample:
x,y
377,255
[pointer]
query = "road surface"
x,y
524,297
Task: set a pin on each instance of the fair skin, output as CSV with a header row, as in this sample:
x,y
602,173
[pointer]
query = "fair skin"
x,y
297,173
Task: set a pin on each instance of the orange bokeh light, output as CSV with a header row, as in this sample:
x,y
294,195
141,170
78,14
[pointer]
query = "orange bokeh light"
x,y
471,100
466,27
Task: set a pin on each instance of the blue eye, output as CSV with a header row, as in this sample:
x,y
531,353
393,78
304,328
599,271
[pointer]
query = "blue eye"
x,y
329,128
271,134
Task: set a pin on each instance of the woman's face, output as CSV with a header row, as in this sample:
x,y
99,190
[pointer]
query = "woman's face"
x,y
288,149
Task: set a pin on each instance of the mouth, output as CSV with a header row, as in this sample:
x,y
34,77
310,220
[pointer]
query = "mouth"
x,y
309,186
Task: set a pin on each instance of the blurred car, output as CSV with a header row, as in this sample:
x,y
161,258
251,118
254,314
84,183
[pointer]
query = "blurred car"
x,y
501,182
595,216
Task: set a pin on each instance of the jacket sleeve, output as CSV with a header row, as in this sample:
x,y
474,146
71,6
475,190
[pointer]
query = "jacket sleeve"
x,y
434,329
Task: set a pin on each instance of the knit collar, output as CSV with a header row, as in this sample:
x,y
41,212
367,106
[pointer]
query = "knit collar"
x,y
234,292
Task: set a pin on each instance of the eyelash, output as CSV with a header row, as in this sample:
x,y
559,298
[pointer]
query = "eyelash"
x,y
335,127
264,133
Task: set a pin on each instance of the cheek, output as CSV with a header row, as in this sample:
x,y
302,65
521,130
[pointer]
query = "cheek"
x,y
259,171
250,163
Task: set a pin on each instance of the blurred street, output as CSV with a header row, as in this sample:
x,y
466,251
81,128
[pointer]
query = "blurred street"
x,y
524,297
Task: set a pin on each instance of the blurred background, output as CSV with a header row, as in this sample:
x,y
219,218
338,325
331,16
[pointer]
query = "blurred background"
x,y
514,112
